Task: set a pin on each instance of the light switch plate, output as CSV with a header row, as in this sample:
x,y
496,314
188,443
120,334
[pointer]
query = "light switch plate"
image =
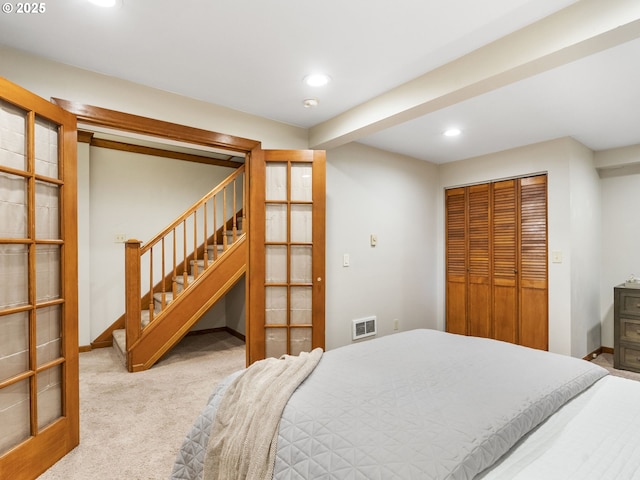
x,y
556,257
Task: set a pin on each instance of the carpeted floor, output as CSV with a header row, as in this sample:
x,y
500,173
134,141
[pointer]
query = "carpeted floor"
x,y
606,360
132,424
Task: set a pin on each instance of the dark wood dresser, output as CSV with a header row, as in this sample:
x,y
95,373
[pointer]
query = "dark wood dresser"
x,y
626,328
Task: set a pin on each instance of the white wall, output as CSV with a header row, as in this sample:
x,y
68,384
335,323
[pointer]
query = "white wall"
x,y
620,227
554,158
393,197
585,208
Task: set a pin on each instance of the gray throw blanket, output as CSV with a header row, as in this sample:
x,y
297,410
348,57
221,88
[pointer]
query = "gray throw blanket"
x,y
242,444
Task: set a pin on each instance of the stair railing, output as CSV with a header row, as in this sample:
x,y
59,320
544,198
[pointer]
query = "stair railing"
x,y
189,245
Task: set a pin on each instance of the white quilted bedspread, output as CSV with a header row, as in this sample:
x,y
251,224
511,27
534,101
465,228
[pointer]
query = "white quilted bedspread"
x,y
421,405
415,405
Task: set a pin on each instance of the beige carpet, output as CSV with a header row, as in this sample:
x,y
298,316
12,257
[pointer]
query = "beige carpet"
x,y
606,360
132,424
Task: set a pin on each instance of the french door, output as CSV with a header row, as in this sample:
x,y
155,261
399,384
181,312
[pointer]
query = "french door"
x,y
286,291
39,405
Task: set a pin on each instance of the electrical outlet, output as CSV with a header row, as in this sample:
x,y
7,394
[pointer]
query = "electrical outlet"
x,y
120,238
396,323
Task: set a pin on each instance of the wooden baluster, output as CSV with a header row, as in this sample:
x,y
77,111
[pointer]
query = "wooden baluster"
x,y
163,303
133,315
185,269
174,283
235,232
224,219
151,305
215,229
206,250
195,247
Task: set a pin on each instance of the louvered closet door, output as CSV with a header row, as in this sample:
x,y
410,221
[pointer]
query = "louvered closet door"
x,y
38,284
534,324
287,259
505,266
456,260
496,261
479,233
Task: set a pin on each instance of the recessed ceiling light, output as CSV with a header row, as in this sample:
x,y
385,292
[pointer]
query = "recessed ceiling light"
x,y
452,132
104,3
310,102
317,79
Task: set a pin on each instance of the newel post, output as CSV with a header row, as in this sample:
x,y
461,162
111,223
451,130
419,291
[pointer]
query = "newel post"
x,y
132,309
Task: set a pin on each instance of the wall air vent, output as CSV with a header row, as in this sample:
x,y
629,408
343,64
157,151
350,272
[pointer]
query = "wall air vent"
x,y
364,327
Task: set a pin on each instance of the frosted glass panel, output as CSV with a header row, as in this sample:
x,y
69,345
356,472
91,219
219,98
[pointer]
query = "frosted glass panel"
x,y
276,223
13,206
14,415
13,275
301,305
48,334
276,264
276,342
300,264
13,143
301,182
49,396
301,223
46,143
276,305
300,340
276,178
47,272
14,345
47,211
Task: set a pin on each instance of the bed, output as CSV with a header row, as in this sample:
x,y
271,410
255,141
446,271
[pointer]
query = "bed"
x,y
422,404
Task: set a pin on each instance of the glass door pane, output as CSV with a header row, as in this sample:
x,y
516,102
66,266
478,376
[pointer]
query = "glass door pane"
x,y
288,256
32,288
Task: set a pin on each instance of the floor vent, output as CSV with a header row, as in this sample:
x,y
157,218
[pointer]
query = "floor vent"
x,y
364,327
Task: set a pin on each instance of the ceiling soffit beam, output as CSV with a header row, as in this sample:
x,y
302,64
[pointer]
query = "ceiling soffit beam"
x,y
585,28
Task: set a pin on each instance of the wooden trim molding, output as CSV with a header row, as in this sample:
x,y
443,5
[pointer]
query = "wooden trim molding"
x,y
104,117
84,136
597,352
159,152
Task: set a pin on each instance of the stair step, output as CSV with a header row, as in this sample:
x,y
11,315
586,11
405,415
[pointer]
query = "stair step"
x,y
180,282
157,300
120,345
229,235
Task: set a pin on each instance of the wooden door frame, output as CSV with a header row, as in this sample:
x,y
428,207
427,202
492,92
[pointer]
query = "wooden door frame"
x,y
256,344
126,122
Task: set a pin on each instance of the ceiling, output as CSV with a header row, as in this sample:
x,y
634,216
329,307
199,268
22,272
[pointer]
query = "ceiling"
x,y
506,72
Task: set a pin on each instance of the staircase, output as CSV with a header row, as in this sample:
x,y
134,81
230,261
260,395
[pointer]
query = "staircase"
x,y
186,269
